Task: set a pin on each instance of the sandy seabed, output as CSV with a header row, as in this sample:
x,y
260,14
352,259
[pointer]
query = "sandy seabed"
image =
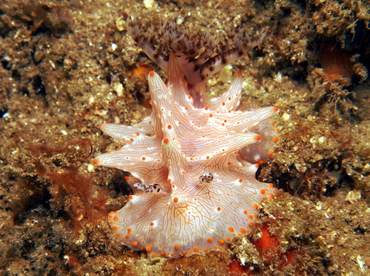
x,y
67,67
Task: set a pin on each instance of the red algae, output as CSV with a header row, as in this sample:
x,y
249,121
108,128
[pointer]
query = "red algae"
x,y
336,63
268,245
68,185
236,269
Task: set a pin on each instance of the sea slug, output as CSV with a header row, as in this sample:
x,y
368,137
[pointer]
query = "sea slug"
x,y
195,161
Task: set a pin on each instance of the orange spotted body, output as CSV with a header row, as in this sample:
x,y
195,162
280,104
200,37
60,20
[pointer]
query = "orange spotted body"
x,y
202,163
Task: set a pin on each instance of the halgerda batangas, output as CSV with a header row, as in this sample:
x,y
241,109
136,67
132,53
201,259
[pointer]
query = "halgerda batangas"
x,y
195,160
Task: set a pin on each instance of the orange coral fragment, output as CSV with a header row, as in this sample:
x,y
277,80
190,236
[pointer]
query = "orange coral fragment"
x,y
141,71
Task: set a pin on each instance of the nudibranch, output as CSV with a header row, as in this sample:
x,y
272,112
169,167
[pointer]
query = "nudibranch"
x,y
195,162
198,55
